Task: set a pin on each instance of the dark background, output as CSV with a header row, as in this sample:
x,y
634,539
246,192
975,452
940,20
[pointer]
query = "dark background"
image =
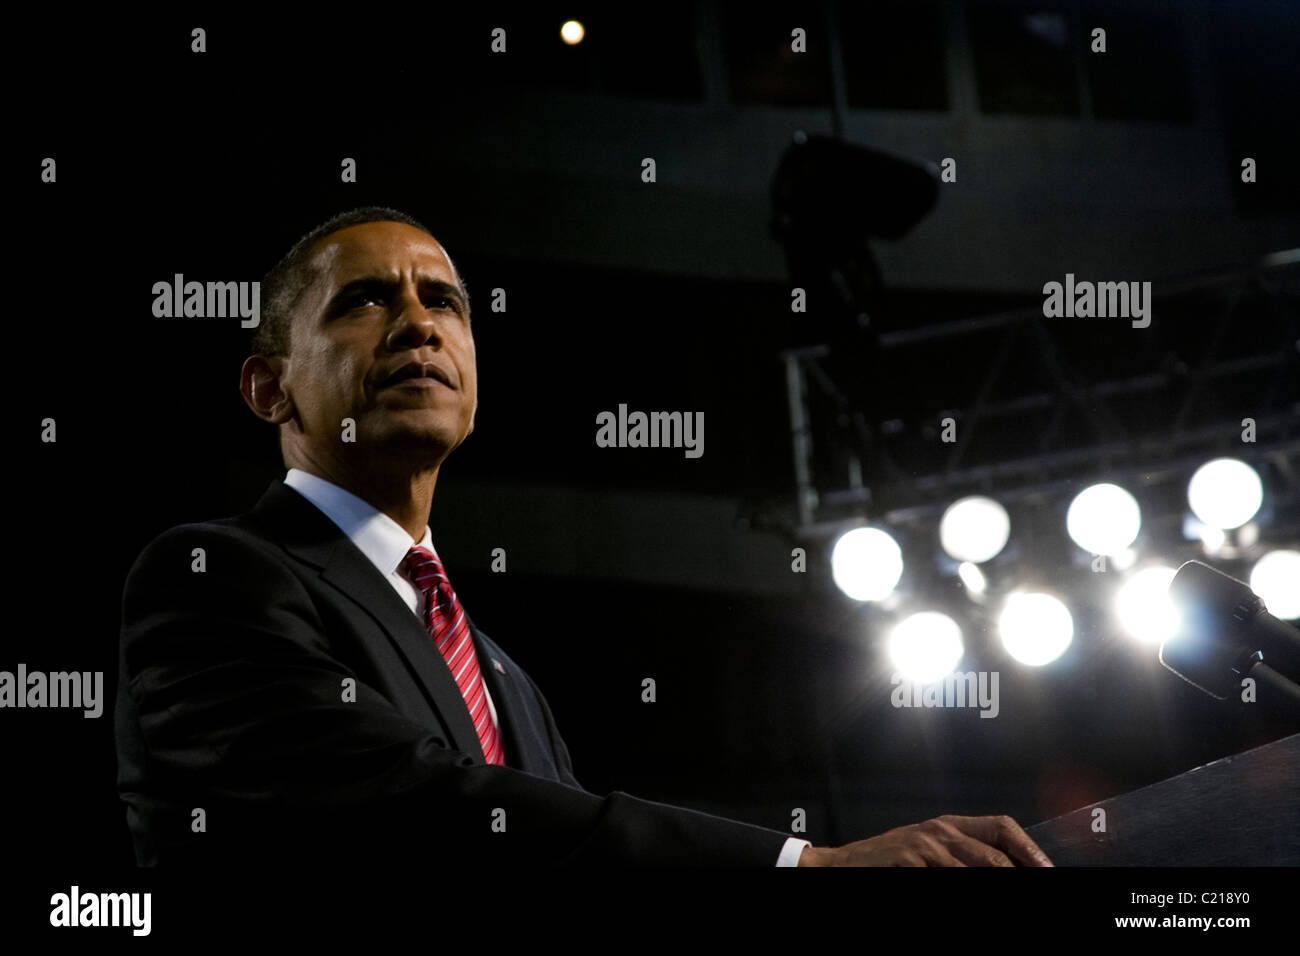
x,y
772,687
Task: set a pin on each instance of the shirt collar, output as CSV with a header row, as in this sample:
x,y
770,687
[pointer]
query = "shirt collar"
x,y
381,539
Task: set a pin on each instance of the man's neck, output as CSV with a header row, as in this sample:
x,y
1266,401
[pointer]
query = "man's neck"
x,y
404,496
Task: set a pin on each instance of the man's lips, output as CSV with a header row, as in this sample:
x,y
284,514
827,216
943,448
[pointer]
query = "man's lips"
x,y
418,375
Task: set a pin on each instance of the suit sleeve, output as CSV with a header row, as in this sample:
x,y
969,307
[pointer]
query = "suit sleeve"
x,y
243,710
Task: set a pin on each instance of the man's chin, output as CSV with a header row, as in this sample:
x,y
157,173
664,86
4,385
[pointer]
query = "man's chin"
x,y
417,446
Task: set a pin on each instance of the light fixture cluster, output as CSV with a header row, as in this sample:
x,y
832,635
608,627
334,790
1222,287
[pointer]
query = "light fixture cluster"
x,y
1104,520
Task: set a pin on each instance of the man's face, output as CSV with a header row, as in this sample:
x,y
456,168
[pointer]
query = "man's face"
x,y
382,336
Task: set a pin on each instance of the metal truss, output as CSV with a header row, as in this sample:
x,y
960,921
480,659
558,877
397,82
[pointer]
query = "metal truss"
x,y
1047,407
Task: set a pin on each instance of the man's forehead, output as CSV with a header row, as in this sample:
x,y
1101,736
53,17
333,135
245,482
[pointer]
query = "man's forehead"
x,y
379,248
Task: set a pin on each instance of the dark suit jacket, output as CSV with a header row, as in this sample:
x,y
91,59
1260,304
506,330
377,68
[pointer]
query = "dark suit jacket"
x,y
238,741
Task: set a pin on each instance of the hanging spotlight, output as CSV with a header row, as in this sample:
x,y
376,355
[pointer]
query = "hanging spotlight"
x,y
1143,606
1103,519
974,529
925,646
1276,579
1225,493
866,564
1035,628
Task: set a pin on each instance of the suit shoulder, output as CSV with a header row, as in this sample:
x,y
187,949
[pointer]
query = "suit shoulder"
x,y
219,546
234,532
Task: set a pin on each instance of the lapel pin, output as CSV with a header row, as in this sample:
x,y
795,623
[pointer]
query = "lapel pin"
x,y
497,664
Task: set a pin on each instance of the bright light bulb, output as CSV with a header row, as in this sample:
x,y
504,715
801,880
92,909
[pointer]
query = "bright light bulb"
x,y
1144,608
1276,579
572,32
974,529
1035,628
1225,493
972,577
866,564
925,646
1103,519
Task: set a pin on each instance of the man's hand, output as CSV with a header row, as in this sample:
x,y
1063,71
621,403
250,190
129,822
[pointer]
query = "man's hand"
x,y
943,841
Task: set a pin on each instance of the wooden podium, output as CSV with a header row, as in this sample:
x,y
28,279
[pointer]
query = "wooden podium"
x,y
1243,810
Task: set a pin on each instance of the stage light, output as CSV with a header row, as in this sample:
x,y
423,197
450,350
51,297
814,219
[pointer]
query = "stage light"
x,y
972,577
1035,628
866,564
1276,579
1225,493
974,529
572,32
925,646
1103,519
1143,606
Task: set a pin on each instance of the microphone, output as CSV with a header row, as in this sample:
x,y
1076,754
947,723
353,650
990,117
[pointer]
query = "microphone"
x,y
1225,634
1209,598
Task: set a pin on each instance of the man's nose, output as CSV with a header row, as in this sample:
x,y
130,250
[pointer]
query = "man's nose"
x,y
414,324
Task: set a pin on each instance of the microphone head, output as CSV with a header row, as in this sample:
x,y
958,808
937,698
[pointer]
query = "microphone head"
x,y
1210,649
1199,588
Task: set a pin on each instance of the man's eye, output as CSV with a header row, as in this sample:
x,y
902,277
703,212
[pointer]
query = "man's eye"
x,y
358,299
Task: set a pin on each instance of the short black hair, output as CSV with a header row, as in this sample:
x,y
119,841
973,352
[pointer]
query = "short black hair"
x,y
282,286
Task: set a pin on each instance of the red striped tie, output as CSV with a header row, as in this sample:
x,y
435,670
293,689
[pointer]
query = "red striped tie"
x,y
445,619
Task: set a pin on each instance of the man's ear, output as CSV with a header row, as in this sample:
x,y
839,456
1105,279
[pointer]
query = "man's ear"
x,y
259,384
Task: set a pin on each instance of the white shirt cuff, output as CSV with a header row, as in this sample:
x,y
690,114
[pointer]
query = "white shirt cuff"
x,y
790,852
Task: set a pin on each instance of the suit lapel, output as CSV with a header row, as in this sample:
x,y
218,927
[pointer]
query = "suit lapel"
x,y
354,575
516,713
504,696
312,537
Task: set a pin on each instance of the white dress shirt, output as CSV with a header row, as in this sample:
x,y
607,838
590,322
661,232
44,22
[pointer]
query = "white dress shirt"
x,y
377,536
385,543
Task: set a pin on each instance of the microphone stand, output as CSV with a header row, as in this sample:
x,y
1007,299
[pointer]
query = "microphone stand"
x,y
1217,667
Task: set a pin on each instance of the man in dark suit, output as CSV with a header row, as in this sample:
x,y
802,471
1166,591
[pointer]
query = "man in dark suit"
x,y
303,677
